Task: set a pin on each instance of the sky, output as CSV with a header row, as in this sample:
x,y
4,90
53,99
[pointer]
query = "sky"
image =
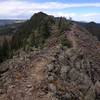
x,y
79,10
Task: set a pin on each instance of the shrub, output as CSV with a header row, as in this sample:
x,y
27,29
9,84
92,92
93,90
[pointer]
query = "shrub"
x,y
66,43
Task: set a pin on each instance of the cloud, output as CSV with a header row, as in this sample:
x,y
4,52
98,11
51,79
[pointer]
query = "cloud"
x,y
79,17
58,14
24,9
91,14
87,17
13,4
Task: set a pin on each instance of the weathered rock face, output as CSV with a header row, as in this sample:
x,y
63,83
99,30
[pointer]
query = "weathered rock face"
x,y
70,77
56,72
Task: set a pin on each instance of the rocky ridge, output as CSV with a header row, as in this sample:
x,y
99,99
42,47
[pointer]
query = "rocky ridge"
x,y
56,72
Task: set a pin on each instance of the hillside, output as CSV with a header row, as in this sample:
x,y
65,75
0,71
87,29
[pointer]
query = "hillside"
x,y
6,35
92,27
57,59
40,27
31,33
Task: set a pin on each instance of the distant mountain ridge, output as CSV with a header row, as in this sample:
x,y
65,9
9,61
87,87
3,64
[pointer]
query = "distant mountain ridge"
x,y
8,21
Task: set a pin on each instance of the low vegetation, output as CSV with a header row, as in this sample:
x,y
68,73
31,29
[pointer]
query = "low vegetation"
x,y
66,43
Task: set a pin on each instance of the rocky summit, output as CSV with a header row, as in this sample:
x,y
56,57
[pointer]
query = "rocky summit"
x,y
67,67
